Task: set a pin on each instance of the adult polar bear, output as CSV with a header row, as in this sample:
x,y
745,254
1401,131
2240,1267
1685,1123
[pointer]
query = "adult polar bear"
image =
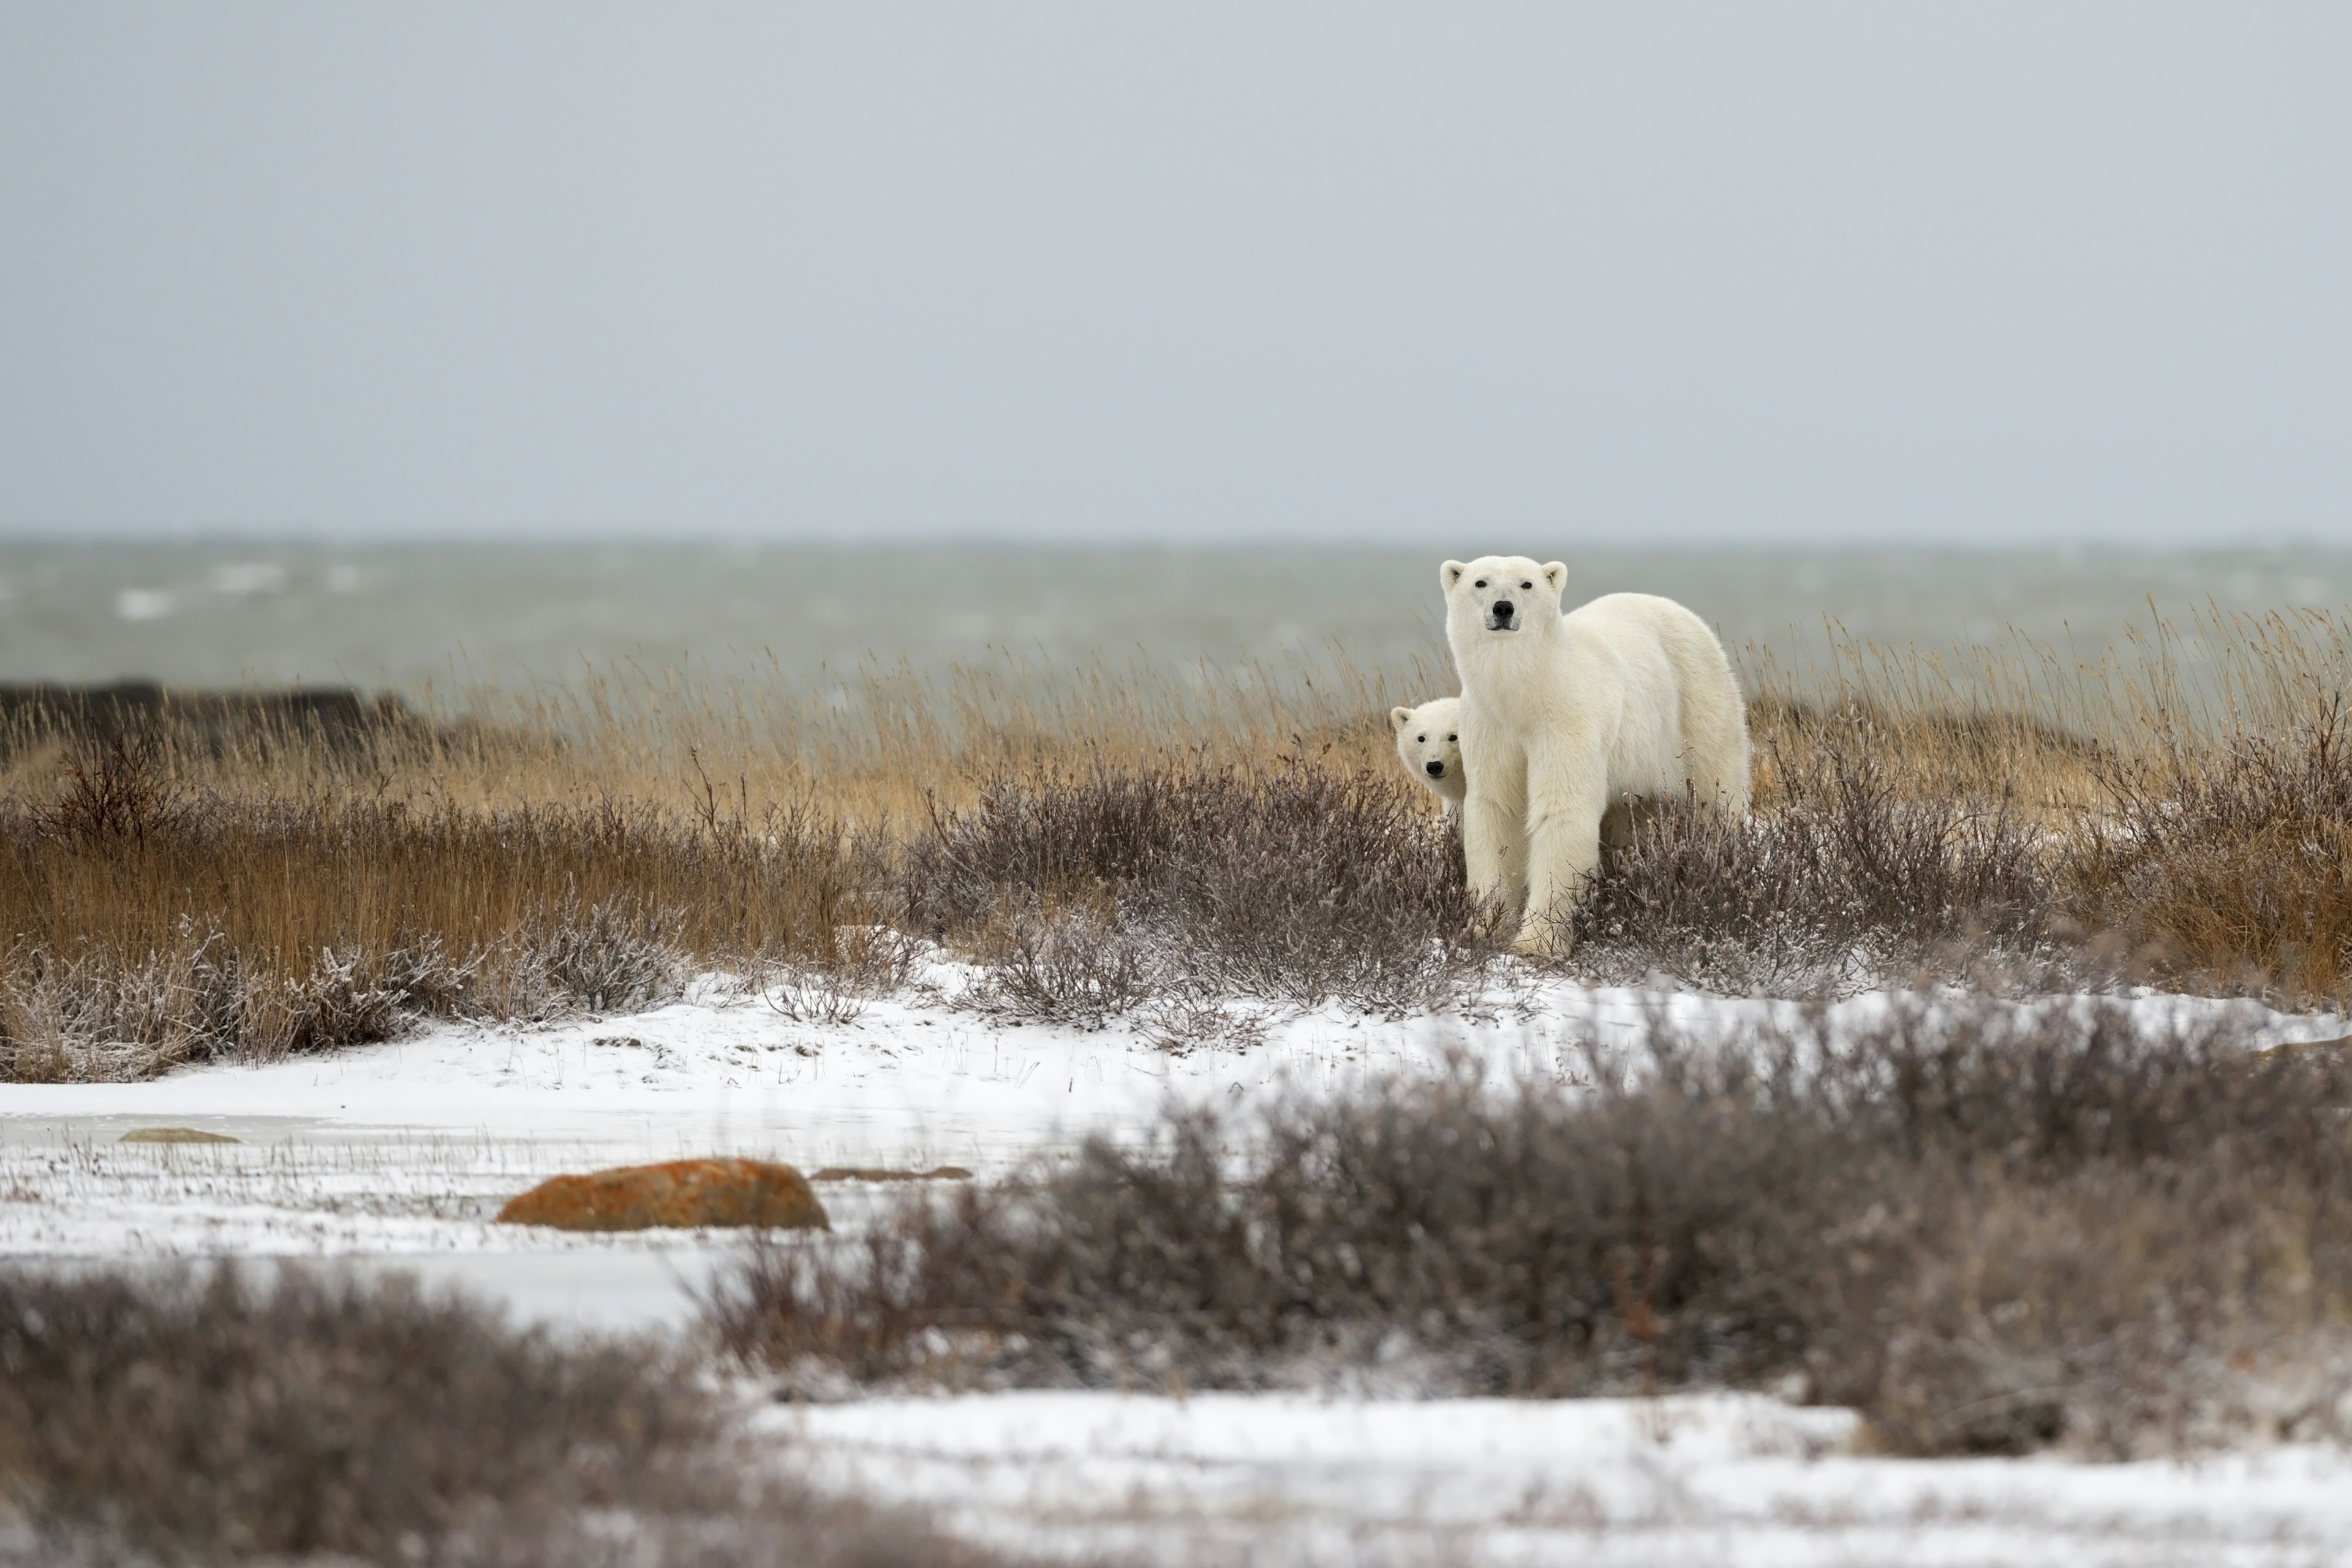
x,y
1563,717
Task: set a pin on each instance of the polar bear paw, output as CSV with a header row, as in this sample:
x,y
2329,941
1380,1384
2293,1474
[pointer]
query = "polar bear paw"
x,y
1544,938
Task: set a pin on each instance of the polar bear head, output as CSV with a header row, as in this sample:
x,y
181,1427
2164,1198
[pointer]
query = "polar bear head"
x,y
1501,594
1428,740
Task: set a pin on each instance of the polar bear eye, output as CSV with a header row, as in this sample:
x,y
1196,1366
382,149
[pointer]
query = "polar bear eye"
x,y
1526,584
1420,738
1449,737
1479,584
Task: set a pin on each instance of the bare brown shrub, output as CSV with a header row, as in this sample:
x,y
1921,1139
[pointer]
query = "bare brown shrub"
x,y
172,1418
1298,883
112,790
859,964
1987,1228
101,1015
1839,879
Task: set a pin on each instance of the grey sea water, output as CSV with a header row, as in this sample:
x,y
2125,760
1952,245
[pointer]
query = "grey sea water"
x,y
454,618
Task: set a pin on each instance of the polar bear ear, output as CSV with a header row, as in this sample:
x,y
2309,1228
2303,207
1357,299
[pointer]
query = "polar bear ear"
x,y
1451,574
1399,717
1556,574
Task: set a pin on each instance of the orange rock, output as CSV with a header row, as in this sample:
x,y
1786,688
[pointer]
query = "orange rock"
x,y
686,1194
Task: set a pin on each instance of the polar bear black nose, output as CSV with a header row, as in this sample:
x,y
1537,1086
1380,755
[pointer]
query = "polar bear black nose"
x,y
1437,770
1501,609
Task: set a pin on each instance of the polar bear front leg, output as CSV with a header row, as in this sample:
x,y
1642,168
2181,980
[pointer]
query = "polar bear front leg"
x,y
1493,850
1494,814
1568,795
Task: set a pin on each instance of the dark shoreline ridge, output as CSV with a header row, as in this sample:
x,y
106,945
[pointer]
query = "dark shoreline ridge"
x,y
113,709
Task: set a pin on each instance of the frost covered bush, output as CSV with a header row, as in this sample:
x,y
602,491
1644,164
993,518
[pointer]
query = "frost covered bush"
x,y
106,1015
1988,1228
204,1418
103,1014
1077,965
860,965
1085,896
1839,879
610,958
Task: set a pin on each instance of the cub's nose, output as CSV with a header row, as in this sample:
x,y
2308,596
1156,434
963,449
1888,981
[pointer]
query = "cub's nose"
x,y
1436,770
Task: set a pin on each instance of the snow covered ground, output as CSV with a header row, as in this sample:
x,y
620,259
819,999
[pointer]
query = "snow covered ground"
x,y
396,1156
1708,1480
408,1149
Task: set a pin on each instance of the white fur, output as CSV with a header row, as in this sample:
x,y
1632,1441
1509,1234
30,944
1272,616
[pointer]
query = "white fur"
x,y
1566,720
1427,737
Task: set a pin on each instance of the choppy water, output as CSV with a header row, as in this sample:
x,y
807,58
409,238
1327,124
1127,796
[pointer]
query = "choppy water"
x,y
458,616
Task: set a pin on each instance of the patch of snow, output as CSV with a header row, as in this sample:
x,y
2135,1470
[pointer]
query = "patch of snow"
x,y
410,1147
1718,1480
396,1156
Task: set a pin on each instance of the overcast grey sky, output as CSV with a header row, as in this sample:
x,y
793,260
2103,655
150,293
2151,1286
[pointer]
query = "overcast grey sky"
x,y
1106,271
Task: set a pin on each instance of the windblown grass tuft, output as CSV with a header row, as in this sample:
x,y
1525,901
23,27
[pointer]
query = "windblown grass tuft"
x,y
2226,865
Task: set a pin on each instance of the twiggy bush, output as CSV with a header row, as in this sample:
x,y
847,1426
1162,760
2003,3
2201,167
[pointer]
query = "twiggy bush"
x,y
612,958
174,1418
1987,1228
102,1014
834,985
113,790
1088,895
1076,964
1840,878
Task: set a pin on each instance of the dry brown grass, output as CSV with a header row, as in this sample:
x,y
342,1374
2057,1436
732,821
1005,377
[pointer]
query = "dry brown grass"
x,y
875,750
191,886
250,881
203,924
2183,791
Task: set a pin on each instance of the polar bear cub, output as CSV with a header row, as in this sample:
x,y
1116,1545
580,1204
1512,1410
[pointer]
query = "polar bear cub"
x,y
1429,740
1628,698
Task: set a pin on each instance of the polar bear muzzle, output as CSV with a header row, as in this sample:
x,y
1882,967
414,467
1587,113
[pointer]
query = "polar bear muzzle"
x,y
1501,617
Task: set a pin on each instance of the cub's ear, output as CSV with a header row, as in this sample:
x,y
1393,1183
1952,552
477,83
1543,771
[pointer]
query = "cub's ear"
x,y
1556,574
1451,574
1399,717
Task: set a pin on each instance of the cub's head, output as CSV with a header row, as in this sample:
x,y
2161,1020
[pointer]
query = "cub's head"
x,y
1501,593
1428,740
